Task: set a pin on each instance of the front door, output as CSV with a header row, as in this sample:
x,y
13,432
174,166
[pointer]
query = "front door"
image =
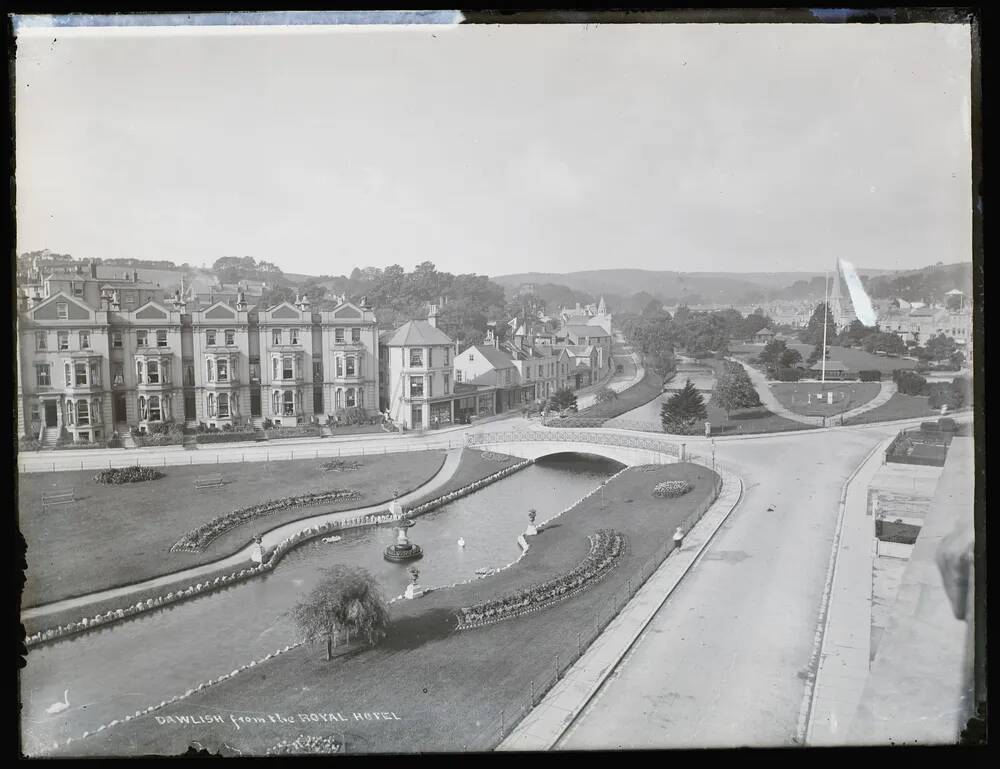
x,y
417,417
51,414
119,414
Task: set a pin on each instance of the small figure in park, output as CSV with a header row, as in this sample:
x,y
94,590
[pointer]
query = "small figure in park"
x,y
413,589
531,530
257,551
678,538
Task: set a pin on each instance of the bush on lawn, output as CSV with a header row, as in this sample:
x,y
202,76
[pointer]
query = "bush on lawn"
x,y
909,382
116,476
27,443
870,375
670,489
954,394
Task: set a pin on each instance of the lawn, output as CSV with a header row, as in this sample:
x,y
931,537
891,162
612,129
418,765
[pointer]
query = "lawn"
x,y
642,392
474,465
118,535
899,406
858,360
446,688
749,421
800,397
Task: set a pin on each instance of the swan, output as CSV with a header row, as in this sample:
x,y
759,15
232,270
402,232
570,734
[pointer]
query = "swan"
x,y
461,542
332,539
59,707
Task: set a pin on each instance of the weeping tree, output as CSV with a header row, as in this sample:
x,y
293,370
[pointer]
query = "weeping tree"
x,y
562,399
346,600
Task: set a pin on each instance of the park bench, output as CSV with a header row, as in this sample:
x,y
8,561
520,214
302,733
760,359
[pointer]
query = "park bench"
x,y
58,497
208,482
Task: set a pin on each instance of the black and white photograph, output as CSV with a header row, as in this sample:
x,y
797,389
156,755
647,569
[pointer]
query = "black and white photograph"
x,y
400,382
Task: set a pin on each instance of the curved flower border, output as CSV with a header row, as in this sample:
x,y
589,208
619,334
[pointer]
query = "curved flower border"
x,y
671,489
606,549
196,540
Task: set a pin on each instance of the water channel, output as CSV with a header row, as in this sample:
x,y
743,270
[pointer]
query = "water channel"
x,y
127,667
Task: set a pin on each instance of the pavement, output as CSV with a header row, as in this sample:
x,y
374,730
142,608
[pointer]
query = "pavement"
x,y
241,559
545,724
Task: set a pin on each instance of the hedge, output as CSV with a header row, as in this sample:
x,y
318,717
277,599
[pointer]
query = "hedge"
x,y
870,375
229,437
789,374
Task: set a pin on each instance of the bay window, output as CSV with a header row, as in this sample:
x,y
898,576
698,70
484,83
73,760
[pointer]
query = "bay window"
x,y
70,413
210,401
223,404
276,402
80,371
288,401
143,411
153,372
97,411
350,366
154,408
116,339
338,398
287,368
222,369
139,369
211,369
68,371
349,397
340,366
82,413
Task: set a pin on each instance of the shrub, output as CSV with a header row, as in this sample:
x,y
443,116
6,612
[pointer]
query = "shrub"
x,y
789,374
870,375
605,394
670,489
117,476
29,443
909,382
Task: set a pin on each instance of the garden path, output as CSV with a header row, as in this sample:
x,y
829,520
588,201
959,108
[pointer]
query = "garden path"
x,y
887,391
771,403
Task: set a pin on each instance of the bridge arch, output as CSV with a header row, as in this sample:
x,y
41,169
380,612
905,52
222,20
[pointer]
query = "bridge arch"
x,y
534,444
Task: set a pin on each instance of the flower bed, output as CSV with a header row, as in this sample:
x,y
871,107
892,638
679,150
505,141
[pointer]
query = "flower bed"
x,y
606,548
229,436
305,431
197,540
29,444
81,445
116,476
670,489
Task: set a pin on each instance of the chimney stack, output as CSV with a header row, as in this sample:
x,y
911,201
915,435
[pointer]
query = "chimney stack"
x,y
432,315
135,276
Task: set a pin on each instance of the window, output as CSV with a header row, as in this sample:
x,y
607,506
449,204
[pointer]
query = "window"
x,y
35,414
275,366
43,375
41,340
540,373
317,371
70,413
276,403
355,335
458,376
143,412
153,372
293,336
68,371
116,339
63,338
349,397
211,369
77,289
349,368
222,369
230,335
62,310
361,397
161,338
189,375
139,368
416,386
276,336
82,413
210,337
338,335
154,408
223,404
338,399
210,401
288,402
447,384
416,358
472,358
140,338
340,366
80,372
287,369
117,373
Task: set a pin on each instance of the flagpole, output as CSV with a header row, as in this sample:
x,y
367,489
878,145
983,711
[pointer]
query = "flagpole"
x,y
826,314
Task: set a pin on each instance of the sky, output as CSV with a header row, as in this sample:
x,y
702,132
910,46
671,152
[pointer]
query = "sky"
x,y
499,149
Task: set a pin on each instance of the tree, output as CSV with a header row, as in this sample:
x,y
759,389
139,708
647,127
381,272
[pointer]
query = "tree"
x,y
562,399
909,382
652,307
772,353
790,357
683,412
346,600
940,347
813,333
884,341
734,390
817,353
605,394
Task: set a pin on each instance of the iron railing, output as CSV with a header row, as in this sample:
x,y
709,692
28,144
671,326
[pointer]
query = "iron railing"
x,y
569,435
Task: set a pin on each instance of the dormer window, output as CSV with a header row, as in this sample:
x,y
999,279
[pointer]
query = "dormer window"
x,y
62,310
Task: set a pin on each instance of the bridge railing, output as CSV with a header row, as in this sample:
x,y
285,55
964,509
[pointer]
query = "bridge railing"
x,y
570,435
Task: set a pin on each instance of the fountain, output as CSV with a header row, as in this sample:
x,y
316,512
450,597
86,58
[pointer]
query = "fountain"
x,y
531,530
402,549
413,589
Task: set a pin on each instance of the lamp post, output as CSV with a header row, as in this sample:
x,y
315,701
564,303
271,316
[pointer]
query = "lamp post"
x,y
713,453
826,314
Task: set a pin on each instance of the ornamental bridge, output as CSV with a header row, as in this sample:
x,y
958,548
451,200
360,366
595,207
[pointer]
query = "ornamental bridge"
x,y
534,444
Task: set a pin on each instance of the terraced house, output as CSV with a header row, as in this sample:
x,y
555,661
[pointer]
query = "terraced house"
x,y
85,373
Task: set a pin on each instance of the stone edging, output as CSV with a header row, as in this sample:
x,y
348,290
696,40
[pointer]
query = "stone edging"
x,y
444,499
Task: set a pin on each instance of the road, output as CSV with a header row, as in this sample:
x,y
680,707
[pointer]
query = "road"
x,y
724,662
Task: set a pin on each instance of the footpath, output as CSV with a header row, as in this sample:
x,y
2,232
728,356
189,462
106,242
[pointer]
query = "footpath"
x,y
242,557
542,728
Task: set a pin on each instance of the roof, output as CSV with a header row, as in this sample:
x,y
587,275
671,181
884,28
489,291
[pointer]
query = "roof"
x,y
417,332
831,365
496,358
584,330
764,331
